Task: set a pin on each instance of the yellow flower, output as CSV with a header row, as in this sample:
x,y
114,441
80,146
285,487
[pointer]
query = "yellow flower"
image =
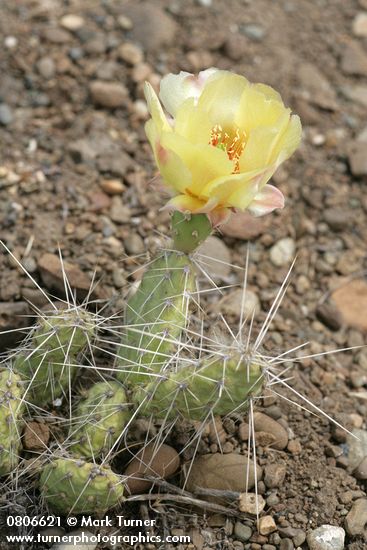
x,y
220,142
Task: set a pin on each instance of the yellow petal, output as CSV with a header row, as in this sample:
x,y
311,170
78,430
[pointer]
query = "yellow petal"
x,y
288,141
155,108
186,203
256,110
193,123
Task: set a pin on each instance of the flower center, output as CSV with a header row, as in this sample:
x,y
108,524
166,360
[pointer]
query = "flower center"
x,y
233,144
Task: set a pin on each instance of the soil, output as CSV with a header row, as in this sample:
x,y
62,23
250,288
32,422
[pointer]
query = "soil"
x,y
76,175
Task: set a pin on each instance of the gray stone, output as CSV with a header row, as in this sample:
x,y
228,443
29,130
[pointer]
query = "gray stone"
x,y
274,475
119,213
357,447
242,532
108,94
337,218
326,537
46,67
237,300
361,471
152,27
6,115
357,94
316,88
357,517
253,31
354,60
215,258
282,252
357,157
134,244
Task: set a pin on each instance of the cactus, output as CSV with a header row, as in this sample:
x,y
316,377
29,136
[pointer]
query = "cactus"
x,y
79,487
49,365
100,419
11,410
155,316
189,231
215,386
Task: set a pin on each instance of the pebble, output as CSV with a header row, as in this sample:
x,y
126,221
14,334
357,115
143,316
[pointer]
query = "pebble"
x,y
282,252
131,53
36,436
253,31
357,517
134,244
117,164
264,423
250,503
56,36
357,157
329,316
223,471
337,218
6,115
274,475
242,532
152,27
361,471
316,88
46,67
108,94
351,302
13,316
360,24
119,213
286,544
267,525
161,462
112,187
357,94
242,225
214,257
354,60
72,22
326,537
237,301
10,42
51,271
85,545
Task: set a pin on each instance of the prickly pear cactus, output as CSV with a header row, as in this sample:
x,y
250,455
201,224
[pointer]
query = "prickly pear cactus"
x,y
189,231
79,487
49,364
11,410
217,386
100,418
155,316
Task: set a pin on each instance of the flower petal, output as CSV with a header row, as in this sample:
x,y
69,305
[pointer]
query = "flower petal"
x,y
176,88
266,201
155,108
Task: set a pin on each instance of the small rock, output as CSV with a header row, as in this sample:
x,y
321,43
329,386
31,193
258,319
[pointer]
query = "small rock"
x,y
250,503
361,471
357,157
131,53
112,187
51,270
82,150
316,88
6,115
329,316
159,461
124,22
56,35
237,301
223,471
217,433
274,475
243,225
236,47
360,24
294,446
282,252
357,517
264,423
286,544
119,213
46,67
242,532
253,31
214,257
354,60
108,94
72,22
351,302
326,537
357,447
267,525
13,317
36,436
74,537
337,218
357,94
117,165
134,244
152,27
10,42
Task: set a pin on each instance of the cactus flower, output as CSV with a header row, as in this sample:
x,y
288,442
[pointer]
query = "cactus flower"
x,y
218,139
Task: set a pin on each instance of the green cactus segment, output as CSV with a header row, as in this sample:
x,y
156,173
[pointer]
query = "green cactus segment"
x,y
189,231
155,317
79,487
50,362
217,386
101,417
11,409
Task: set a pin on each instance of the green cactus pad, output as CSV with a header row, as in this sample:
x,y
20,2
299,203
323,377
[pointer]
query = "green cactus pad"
x,y
217,386
155,316
189,231
49,363
79,487
100,416
11,410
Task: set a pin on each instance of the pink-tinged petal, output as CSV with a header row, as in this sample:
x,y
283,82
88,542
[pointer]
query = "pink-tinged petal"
x,y
266,201
219,216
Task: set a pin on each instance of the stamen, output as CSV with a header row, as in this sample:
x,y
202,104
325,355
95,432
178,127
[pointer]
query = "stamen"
x,y
233,147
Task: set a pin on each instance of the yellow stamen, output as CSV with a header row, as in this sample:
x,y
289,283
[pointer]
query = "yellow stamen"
x,y
232,146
